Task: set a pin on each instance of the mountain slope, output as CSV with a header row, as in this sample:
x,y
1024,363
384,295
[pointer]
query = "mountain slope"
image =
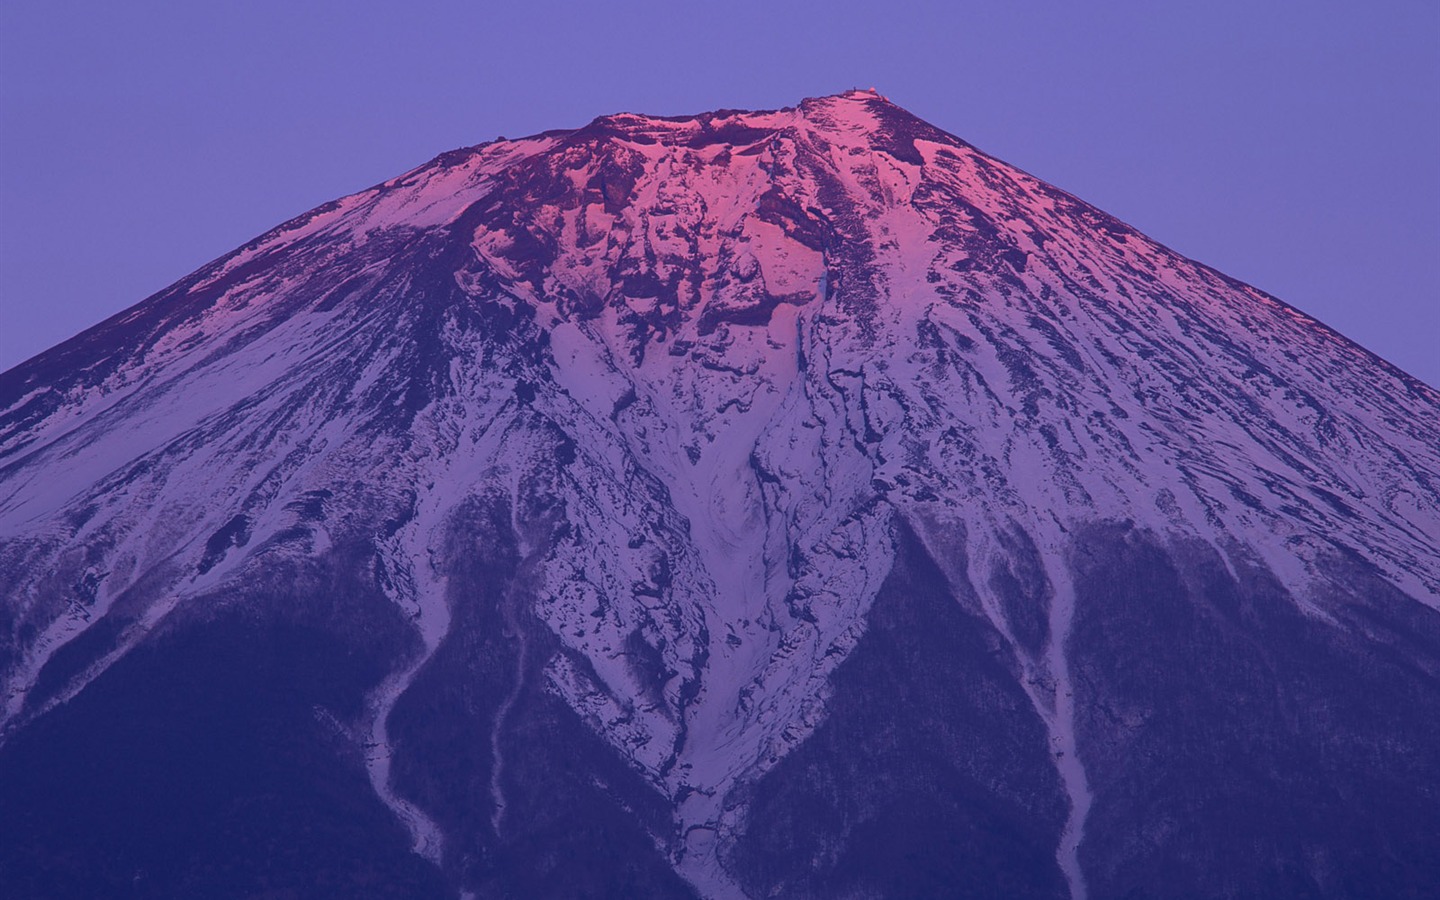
x,y
682,474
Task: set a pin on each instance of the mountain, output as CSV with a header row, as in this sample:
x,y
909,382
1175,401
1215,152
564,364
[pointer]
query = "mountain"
x,y
756,504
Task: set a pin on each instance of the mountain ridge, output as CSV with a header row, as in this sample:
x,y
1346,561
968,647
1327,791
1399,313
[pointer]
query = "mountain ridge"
x,y
673,418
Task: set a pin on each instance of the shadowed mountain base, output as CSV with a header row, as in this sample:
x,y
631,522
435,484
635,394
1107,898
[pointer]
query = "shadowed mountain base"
x,y
929,776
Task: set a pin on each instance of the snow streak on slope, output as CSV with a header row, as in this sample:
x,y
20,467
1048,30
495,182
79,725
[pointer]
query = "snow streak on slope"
x,y
734,353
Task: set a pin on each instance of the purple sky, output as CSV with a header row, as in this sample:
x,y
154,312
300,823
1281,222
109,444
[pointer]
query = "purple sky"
x,y
1294,145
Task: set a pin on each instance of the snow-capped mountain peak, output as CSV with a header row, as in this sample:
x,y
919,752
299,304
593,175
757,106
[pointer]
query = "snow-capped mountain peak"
x,y
669,402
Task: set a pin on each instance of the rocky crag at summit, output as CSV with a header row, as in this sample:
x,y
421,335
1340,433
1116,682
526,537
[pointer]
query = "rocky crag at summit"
x,y
755,504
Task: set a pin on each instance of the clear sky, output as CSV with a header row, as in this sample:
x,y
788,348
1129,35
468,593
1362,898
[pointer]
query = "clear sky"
x,y
1293,145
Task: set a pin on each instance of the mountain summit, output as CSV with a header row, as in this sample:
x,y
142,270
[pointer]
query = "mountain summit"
x,y
755,504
